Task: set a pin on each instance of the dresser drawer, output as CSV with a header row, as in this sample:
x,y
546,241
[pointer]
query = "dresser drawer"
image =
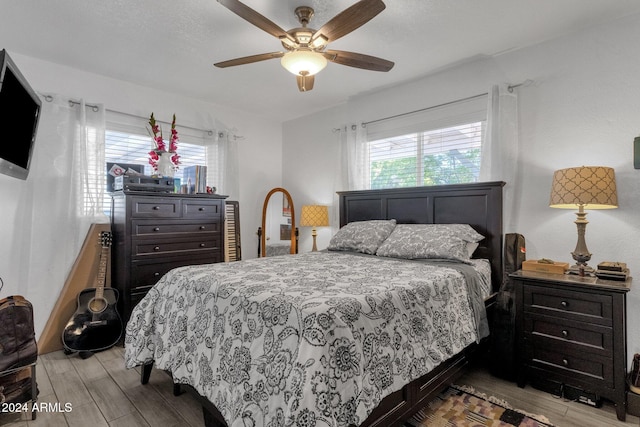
x,y
193,245
563,332
155,207
579,306
146,228
146,273
137,294
574,366
201,208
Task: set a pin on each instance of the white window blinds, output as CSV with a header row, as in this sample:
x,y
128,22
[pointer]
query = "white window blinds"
x,y
439,145
127,144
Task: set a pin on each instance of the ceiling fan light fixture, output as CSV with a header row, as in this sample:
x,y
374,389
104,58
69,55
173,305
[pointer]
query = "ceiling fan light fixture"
x,y
287,42
319,41
303,61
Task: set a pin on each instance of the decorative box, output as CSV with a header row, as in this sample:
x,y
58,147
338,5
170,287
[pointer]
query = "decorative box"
x,y
536,265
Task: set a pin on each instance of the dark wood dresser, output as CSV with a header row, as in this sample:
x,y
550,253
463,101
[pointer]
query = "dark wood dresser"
x,y
156,232
572,335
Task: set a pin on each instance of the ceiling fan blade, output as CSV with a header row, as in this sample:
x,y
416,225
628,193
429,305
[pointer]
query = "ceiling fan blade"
x,y
358,60
249,59
305,83
350,19
255,18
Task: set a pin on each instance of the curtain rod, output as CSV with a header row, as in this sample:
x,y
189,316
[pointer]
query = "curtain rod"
x,y
208,131
510,88
96,108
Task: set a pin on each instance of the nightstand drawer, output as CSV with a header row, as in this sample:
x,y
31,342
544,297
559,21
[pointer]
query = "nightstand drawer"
x,y
575,366
580,306
564,332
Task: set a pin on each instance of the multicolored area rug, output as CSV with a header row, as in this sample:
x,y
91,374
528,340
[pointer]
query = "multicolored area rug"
x,y
462,406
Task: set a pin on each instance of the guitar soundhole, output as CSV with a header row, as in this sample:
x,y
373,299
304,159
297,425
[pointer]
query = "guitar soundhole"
x,y
98,305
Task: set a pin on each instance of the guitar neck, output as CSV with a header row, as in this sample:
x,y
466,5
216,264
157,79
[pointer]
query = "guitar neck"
x,y
102,272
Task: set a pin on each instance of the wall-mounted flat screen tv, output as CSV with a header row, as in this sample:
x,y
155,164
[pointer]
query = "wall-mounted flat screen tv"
x,y
19,116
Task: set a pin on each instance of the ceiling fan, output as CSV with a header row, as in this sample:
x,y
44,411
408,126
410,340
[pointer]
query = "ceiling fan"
x,y
306,50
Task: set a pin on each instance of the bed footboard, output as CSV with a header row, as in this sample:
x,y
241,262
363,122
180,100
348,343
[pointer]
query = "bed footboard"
x,y
395,408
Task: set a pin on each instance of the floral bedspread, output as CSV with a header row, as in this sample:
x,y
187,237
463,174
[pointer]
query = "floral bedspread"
x,y
316,339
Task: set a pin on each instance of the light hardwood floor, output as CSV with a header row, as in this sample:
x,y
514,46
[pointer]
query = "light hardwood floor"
x,y
103,393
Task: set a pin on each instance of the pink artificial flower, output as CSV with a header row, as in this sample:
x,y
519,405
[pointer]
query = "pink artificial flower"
x,y
175,159
160,145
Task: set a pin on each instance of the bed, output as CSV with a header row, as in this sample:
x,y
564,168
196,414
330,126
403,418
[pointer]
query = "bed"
x,y
328,338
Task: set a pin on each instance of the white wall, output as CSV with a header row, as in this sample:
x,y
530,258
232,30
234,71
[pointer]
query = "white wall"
x,y
260,145
583,109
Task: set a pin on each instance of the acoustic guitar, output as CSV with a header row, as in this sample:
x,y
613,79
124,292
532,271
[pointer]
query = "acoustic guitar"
x,y
96,323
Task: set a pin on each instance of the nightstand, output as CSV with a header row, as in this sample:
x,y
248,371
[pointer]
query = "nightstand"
x,y
572,334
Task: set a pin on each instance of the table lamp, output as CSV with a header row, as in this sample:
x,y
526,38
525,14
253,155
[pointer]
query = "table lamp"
x,y
585,187
314,216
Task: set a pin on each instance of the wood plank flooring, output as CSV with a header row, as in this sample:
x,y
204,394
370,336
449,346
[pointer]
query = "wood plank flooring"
x,y
103,393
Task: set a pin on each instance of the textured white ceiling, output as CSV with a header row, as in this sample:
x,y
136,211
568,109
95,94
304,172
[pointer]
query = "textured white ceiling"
x,y
172,45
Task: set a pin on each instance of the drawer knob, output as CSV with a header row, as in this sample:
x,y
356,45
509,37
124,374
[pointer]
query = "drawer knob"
x,y
156,208
565,362
157,248
565,304
202,245
565,333
202,227
156,274
201,209
156,229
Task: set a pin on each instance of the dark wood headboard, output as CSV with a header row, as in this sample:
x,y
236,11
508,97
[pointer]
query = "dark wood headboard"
x,y
476,204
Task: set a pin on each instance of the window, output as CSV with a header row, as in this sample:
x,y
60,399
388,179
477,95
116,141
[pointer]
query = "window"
x,y
128,144
442,156
435,146
131,148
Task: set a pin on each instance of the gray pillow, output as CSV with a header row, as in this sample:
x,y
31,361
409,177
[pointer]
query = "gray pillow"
x,y
362,236
418,241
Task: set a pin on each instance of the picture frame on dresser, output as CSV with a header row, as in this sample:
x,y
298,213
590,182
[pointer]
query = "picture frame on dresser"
x,y
154,232
572,336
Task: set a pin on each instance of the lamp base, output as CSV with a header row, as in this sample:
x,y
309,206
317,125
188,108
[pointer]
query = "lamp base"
x,y
581,270
581,254
314,233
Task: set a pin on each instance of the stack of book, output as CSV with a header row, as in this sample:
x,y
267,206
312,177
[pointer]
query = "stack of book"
x,y
194,179
609,270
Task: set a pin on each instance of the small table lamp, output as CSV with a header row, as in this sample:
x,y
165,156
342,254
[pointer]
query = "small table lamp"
x,y
314,216
585,187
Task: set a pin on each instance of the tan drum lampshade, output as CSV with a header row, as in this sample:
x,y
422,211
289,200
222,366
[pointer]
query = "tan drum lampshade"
x,y
585,187
594,187
314,216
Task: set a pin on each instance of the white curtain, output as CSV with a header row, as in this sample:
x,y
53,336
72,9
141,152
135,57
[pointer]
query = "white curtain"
x,y
222,164
499,159
63,195
354,155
